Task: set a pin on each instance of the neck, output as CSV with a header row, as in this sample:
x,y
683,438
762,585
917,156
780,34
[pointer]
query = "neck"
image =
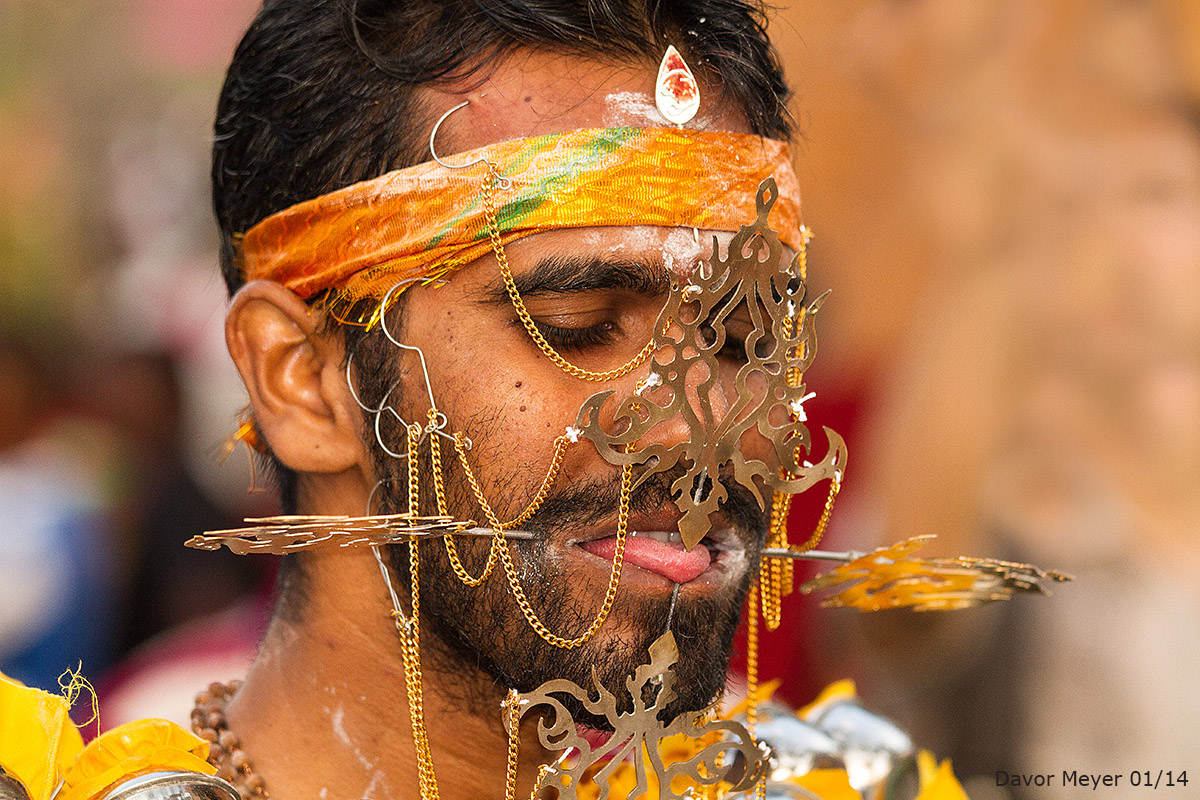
x,y
323,712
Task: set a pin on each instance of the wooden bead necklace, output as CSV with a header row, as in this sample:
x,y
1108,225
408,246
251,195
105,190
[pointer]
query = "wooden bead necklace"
x,y
224,747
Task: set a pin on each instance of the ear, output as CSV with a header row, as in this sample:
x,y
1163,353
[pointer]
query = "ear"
x,y
296,379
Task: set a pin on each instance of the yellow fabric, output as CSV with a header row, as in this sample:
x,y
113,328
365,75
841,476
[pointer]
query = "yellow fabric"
x,y
829,784
131,749
834,692
937,781
424,221
37,738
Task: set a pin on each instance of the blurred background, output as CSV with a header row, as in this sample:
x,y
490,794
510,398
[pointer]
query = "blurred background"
x,y
116,394
1006,200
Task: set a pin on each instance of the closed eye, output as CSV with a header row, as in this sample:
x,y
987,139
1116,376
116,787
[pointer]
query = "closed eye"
x,y
575,340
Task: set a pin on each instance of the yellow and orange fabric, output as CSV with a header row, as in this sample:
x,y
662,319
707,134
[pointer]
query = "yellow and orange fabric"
x,y
41,747
38,741
425,221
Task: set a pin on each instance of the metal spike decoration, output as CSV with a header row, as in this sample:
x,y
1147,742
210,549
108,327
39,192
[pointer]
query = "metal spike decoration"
x,y
730,754
888,578
689,336
289,534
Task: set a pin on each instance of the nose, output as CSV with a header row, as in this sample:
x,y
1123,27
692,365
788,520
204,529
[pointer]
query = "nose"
x,y
685,401
689,389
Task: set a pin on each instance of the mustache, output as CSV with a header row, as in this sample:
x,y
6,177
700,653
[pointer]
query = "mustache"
x,y
590,502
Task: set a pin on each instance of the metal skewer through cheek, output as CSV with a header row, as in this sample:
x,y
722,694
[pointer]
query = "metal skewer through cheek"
x,y
772,552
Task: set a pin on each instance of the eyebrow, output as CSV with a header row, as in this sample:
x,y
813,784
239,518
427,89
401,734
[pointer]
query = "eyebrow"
x,y
561,274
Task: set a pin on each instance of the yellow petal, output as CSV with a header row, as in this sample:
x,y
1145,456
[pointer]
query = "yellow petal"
x,y
939,783
131,749
37,738
828,784
838,690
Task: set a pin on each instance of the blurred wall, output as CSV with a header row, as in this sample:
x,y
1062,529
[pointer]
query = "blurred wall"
x,y
111,299
1006,198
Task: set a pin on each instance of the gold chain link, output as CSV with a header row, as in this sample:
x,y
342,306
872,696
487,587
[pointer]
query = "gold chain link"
x,y
512,707
775,575
410,637
787,581
752,659
489,208
435,457
835,487
771,574
752,698
510,570
560,449
414,476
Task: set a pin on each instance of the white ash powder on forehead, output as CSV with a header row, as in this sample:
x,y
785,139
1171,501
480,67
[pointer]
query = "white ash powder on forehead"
x,y
631,108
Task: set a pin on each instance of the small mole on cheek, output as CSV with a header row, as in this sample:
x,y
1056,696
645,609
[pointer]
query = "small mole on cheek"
x,y
522,408
518,385
527,99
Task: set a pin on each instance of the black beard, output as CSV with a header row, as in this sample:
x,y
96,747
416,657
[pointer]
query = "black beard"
x,y
482,628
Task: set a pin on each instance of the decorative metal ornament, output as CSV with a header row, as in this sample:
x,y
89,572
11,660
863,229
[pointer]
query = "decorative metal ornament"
x,y
288,534
676,92
729,755
888,578
688,371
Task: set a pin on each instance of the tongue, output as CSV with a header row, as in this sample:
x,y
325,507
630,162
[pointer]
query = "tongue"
x,y
668,560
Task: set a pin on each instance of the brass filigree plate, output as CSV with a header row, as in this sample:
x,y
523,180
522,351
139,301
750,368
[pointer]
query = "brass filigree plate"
x,y
730,754
289,534
687,374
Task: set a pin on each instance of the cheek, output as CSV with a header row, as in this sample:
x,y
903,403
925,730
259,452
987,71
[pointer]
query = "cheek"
x,y
513,401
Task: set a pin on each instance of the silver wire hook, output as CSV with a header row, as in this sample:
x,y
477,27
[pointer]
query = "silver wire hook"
x,y
502,181
438,429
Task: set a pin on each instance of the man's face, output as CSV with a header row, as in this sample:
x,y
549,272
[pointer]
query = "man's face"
x,y
594,294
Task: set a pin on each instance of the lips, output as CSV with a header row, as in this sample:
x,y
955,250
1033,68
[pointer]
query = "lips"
x,y
653,553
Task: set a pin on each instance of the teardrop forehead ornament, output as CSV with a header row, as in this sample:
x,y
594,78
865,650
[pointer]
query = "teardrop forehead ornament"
x,y
676,93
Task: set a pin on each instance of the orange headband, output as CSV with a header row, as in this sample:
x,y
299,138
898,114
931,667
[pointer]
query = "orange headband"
x,y
425,221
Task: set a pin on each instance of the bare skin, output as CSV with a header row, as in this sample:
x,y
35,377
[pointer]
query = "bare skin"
x,y
322,713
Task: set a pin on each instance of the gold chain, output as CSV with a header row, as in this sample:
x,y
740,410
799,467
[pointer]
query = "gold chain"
x,y
835,487
752,676
560,449
512,707
410,637
805,236
414,477
752,659
435,456
788,566
514,583
489,208
775,574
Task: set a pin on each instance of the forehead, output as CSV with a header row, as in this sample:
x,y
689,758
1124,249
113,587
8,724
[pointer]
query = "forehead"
x,y
533,93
